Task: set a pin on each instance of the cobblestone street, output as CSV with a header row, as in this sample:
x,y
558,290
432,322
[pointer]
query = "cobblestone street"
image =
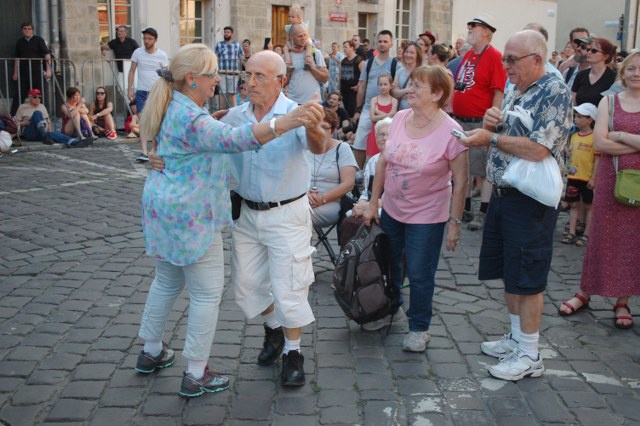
x,y
74,279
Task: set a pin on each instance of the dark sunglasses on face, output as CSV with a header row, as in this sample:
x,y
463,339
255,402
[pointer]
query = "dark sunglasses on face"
x,y
593,51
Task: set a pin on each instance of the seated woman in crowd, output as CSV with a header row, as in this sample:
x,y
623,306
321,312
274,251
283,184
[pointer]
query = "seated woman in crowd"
x,y
100,114
75,116
333,174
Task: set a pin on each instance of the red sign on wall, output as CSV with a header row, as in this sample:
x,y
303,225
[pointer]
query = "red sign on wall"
x,y
338,17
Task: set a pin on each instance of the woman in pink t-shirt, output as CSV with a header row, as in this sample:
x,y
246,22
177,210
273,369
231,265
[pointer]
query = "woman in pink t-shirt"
x,y
420,159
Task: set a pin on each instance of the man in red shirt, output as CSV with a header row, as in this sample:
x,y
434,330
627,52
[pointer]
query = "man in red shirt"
x,y
480,83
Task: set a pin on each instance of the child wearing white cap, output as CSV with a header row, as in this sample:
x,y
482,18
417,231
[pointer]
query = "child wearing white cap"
x,y
581,177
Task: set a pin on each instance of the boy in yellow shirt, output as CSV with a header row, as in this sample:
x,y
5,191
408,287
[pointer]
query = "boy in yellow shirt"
x,y
581,178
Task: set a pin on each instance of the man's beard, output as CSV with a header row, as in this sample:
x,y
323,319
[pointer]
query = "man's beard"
x,y
227,38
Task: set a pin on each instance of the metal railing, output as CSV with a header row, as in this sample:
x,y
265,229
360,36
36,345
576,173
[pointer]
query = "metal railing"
x,y
31,74
91,74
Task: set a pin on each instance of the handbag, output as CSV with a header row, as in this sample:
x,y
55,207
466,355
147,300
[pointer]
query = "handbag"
x,y
627,188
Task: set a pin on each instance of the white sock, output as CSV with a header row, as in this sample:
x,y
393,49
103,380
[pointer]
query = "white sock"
x,y
291,345
271,320
515,327
196,368
153,348
529,344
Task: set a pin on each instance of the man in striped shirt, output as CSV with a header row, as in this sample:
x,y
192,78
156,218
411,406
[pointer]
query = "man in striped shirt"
x,y
229,52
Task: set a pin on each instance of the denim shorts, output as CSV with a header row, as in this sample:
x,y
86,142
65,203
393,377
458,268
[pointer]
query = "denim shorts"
x,y
141,99
517,243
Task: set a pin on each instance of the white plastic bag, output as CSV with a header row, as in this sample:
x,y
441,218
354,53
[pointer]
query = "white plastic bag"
x,y
5,141
540,180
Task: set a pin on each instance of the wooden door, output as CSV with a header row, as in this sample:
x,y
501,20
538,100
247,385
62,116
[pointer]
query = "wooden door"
x,y
279,18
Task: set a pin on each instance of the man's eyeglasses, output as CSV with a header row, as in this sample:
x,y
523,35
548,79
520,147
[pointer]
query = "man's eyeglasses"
x,y
510,60
260,78
582,46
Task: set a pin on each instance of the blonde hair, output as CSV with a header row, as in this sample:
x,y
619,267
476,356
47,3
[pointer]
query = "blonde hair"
x,y
623,66
296,11
195,59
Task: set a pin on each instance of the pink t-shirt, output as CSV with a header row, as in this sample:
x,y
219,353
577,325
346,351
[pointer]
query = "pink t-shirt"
x,y
417,183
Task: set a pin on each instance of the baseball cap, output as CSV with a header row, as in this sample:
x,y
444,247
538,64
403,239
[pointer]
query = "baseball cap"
x,y
584,40
150,31
429,35
587,109
33,92
485,20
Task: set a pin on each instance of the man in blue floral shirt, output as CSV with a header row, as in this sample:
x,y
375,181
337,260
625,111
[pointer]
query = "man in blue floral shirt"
x,y
518,235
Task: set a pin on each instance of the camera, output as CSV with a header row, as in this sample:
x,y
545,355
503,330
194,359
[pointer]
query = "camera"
x,y
460,86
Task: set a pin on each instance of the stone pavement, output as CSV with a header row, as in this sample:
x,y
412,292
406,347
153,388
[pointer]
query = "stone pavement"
x,y
74,279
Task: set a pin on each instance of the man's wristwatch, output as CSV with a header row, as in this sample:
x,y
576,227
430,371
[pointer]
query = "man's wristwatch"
x,y
272,127
455,220
493,142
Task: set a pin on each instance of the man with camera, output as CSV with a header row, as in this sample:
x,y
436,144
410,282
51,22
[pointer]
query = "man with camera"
x,y
479,85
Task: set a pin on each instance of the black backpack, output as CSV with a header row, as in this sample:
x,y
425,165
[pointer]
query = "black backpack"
x,y
361,278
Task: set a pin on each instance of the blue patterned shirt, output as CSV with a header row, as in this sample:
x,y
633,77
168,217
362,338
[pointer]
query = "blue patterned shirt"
x,y
187,204
279,171
229,55
542,113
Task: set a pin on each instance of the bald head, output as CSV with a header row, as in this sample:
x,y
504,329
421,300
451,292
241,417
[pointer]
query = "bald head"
x,y
271,59
299,35
524,58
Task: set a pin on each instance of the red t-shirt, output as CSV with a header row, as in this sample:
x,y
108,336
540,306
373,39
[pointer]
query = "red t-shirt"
x,y
481,74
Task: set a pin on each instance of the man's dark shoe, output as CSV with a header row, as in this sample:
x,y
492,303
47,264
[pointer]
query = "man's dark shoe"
x,y
148,364
272,345
47,140
210,382
292,369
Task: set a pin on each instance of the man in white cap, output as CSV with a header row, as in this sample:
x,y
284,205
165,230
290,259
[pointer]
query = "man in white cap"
x,y
479,85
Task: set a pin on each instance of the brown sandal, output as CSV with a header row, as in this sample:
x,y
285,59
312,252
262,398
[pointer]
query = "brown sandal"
x,y
573,309
569,239
617,318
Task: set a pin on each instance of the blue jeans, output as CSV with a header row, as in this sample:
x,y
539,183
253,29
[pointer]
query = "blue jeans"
x,y
36,132
421,245
205,283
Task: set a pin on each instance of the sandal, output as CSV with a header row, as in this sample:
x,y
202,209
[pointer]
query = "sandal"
x,y
617,318
580,227
568,239
573,309
582,240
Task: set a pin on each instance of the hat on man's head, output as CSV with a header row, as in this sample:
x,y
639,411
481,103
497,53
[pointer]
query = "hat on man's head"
x,y
584,40
485,20
151,31
34,92
429,35
587,109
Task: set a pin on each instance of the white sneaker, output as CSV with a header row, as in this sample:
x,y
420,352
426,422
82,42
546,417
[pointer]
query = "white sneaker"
x,y
516,366
499,348
416,341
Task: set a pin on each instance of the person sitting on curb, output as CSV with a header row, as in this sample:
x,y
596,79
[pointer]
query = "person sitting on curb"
x,y
100,114
75,117
34,122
